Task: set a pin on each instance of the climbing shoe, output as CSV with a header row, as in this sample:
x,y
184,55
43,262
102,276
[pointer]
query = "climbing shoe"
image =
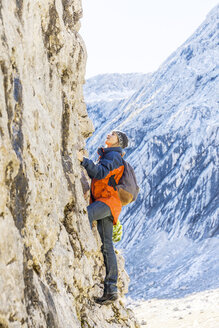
x,y
106,299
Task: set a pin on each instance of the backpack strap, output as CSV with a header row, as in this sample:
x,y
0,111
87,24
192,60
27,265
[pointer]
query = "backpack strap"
x,y
112,182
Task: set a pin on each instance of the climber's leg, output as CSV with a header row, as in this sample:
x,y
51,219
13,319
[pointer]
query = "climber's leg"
x,y
98,210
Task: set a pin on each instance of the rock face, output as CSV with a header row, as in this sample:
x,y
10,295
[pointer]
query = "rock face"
x,y
50,261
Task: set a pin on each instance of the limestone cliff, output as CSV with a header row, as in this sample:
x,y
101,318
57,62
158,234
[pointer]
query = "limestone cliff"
x,y
50,261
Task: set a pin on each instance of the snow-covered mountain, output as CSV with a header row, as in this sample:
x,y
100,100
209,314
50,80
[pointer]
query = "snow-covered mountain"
x,y
171,232
106,93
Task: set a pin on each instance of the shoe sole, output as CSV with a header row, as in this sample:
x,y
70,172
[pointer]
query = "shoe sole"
x,y
106,302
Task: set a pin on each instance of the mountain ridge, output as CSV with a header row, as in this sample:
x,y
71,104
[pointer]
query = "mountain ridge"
x,y
172,123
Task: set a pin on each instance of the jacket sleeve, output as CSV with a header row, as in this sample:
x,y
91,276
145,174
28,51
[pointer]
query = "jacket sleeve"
x,y
101,169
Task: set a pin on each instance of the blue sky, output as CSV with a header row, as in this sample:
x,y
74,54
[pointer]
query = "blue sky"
x,y
125,36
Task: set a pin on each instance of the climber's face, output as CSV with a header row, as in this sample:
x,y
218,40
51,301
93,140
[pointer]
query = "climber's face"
x,y
112,140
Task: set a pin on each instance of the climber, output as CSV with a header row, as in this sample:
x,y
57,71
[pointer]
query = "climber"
x,y
105,205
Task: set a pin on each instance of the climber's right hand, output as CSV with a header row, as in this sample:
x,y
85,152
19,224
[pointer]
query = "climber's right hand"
x,y
80,156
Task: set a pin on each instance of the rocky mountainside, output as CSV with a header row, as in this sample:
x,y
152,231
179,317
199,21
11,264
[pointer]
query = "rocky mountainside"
x,y
170,240
106,93
50,261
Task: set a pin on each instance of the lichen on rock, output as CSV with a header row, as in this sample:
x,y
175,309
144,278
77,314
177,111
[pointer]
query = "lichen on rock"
x,y
50,261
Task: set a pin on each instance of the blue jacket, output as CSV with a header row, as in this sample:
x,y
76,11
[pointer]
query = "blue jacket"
x,y
110,159
110,164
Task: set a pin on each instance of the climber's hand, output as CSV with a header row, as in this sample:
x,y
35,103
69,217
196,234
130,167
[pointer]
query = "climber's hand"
x,y
87,195
80,156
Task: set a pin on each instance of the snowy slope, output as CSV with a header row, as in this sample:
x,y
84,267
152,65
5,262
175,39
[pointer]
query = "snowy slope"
x,y
171,232
106,94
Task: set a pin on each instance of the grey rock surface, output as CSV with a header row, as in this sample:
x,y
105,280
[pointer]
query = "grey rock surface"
x,y
50,261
